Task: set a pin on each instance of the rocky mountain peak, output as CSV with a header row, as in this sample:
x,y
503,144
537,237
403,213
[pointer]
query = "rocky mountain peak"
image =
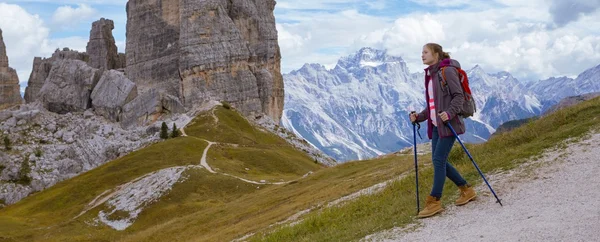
x,y
3,56
476,70
42,67
310,69
9,81
368,57
590,72
356,111
101,47
207,50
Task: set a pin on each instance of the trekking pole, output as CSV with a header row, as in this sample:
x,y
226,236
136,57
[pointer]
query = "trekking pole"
x,y
475,164
416,164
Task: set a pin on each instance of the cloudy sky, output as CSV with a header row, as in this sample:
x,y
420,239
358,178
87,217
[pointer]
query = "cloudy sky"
x,y
532,39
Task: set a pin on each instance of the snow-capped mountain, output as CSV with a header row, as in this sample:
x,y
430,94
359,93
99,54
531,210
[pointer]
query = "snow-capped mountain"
x,y
359,109
356,110
500,97
553,90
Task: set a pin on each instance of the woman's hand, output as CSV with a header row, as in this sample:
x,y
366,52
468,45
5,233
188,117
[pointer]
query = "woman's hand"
x,y
444,116
413,117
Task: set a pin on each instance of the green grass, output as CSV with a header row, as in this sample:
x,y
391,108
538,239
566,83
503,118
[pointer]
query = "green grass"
x,y
206,196
273,165
257,155
214,207
67,199
396,206
231,128
268,204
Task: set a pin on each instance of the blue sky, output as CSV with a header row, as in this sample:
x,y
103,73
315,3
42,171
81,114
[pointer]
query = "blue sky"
x,y
532,39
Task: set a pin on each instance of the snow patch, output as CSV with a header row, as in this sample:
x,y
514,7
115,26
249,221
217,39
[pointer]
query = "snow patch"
x,y
532,103
371,63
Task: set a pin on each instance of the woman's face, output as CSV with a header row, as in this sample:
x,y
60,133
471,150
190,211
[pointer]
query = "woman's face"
x,y
427,56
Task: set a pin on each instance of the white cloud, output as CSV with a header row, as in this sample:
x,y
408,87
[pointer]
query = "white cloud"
x,y
509,35
66,16
497,42
442,3
25,36
315,4
291,43
77,43
321,37
104,2
120,45
566,11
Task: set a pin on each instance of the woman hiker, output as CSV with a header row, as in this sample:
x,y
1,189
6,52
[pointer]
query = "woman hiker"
x,y
444,103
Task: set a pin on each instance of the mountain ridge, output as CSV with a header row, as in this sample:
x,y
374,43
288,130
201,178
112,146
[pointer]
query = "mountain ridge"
x,y
359,108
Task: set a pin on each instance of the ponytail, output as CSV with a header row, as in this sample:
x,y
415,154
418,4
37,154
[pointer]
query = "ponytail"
x,y
445,55
437,49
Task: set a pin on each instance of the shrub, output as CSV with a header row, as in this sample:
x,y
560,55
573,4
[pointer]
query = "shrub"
x,y
7,144
38,152
24,178
175,133
164,131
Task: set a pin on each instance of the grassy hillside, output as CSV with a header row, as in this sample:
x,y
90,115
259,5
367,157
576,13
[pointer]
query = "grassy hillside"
x,y
214,207
203,206
513,124
395,206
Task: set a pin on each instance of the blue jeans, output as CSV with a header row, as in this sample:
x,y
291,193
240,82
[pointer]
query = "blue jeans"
x,y
441,148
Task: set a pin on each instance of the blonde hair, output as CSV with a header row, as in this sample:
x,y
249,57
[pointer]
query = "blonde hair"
x,y
437,49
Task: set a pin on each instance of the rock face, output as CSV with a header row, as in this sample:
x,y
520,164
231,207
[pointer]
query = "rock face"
x,y
113,91
101,48
9,81
56,147
41,70
69,86
148,107
200,50
153,45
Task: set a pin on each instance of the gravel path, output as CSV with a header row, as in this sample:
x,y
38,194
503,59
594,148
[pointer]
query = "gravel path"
x,y
556,198
203,160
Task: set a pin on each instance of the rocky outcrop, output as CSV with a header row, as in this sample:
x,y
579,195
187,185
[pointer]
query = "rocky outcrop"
x,y
37,78
148,107
113,91
57,147
9,81
41,70
101,48
153,45
207,50
69,86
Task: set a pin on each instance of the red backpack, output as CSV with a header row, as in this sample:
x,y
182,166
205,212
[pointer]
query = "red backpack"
x,y
468,108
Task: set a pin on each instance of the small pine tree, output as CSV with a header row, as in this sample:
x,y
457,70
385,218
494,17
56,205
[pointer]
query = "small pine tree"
x,y
175,133
7,144
24,178
164,131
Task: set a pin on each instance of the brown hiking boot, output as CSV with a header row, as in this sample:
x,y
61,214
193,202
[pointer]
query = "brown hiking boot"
x,y
467,194
433,205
